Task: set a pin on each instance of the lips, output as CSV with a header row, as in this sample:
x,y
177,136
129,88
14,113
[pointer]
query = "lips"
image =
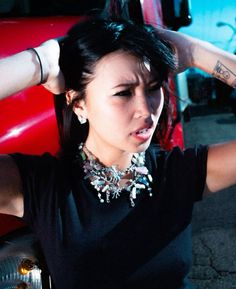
x,y
144,129
143,133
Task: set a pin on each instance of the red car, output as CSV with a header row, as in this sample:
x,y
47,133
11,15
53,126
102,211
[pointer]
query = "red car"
x,y
27,119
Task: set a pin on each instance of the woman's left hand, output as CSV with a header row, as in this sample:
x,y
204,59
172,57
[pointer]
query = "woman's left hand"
x,y
201,54
183,46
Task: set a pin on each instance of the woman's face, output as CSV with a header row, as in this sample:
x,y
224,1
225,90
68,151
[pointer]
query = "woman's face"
x,y
123,104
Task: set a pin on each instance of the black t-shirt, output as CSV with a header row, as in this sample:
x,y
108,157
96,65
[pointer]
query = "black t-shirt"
x,y
88,244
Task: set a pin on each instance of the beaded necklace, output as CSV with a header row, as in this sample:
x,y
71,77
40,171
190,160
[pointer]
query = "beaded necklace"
x,y
110,182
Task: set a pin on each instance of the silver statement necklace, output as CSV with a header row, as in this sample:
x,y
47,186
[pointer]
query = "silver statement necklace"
x,y
110,182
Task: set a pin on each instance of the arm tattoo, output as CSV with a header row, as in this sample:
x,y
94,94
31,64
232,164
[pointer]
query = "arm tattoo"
x,y
224,74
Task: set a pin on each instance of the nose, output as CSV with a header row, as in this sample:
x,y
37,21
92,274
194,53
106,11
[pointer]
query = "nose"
x,y
143,106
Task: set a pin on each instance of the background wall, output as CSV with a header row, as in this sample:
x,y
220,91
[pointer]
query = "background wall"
x,y
206,14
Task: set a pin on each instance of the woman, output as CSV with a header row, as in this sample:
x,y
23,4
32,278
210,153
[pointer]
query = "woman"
x,y
114,211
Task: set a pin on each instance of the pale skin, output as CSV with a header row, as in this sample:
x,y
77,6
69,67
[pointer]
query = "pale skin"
x,y
145,102
131,100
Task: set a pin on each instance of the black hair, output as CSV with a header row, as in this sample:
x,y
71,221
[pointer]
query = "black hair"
x,y
85,44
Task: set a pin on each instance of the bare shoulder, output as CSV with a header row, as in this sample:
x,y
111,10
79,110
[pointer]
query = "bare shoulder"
x,y
11,198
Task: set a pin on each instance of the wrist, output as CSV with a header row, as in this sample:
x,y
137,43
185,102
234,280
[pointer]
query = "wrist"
x,y
199,57
50,52
43,61
38,60
41,70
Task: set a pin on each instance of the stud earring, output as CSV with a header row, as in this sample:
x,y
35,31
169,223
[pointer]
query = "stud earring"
x,y
82,119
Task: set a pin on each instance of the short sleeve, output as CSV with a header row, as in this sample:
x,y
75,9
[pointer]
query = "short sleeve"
x,y
181,173
179,181
188,170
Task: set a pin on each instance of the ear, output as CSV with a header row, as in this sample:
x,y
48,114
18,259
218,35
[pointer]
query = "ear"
x,y
79,104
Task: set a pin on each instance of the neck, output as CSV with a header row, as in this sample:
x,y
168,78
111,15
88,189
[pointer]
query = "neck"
x,y
111,156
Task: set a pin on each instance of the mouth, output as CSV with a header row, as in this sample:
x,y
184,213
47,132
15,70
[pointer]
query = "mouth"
x,y
143,133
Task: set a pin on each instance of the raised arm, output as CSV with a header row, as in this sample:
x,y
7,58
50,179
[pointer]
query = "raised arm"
x,y
18,72
22,70
217,62
193,52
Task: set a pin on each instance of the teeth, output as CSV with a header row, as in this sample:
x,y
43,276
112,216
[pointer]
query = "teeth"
x,y
142,131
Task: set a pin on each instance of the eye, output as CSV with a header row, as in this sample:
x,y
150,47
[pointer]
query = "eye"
x,y
126,92
154,87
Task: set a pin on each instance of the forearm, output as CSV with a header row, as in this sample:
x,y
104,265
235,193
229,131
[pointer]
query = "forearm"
x,y
193,52
215,61
20,71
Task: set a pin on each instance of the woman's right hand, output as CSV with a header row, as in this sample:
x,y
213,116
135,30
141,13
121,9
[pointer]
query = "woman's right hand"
x,y
49,51
22,70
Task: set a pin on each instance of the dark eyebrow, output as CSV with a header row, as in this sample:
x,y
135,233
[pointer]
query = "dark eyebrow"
x,y
135,83
154,80
131,83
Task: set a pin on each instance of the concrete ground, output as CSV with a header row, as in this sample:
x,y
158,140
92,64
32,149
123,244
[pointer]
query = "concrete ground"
x,y
214,219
